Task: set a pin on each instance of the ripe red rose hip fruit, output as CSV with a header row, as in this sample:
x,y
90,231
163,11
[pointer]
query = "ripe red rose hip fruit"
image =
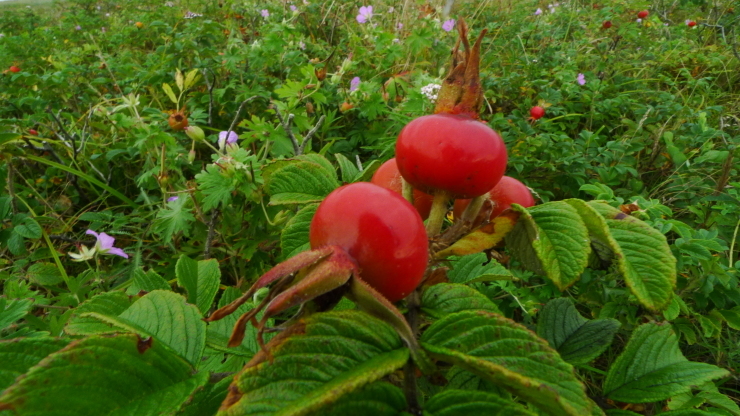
x,y
451,153
14,69
643,14
388,177
33,132
607,24
691,23
380,230
508,191
537,112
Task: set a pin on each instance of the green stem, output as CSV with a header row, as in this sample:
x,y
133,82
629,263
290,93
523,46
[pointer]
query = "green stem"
x,y
407,191
732,245
473,208
437,214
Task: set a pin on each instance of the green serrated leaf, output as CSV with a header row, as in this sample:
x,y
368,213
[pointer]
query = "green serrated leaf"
x,y
179,80
510,356
191,78
16,244
206,401
20,354
476,268
45,274
166,316
349,170
367,172
294,236
443,299
306,179
146,282
5,205
174,219
111,303
216,186
652,368
28,228
673,309
472,403
171,94
13,310
200,279
103,375
642,255
577,339
328,356
375,399
721,401
551,239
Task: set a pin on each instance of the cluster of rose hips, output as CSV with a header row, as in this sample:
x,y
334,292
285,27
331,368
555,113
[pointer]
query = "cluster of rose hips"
x,y
450,154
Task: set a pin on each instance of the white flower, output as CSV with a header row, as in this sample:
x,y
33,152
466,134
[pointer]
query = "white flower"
x,y
431,91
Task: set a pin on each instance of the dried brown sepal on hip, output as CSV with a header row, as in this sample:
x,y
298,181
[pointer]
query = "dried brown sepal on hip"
x,y
461,90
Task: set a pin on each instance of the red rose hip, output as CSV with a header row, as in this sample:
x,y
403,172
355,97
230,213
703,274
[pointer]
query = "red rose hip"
x,y
607,24
14,69
508,191
537,112
380,230
643,14
451,153
388,177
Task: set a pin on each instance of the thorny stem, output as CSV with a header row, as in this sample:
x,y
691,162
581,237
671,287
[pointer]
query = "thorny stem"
x,y
437,214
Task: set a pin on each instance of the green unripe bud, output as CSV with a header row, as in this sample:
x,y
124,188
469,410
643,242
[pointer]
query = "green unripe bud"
x,y
191,156
195,133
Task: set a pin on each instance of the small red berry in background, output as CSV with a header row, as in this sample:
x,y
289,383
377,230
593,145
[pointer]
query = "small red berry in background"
x,y
15,69
33,132
537,112
607,24
690,23
643,14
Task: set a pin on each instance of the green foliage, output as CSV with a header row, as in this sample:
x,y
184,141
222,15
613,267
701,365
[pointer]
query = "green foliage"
x,y
510,356
334,354
652,368
577,339
551,239
651,136
305,179
444,299
200,279
148,380
474,403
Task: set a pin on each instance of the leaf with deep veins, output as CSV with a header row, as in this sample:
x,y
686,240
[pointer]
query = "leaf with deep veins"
x,y
331,356
372,302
